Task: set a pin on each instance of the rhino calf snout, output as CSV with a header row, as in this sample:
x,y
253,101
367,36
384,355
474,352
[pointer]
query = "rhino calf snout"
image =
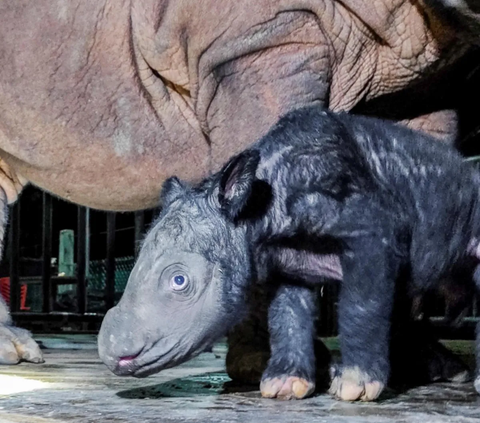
x,y
120,350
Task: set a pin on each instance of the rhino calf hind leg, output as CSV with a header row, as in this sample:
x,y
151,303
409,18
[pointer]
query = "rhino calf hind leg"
x,y
417,357
16,344
248,353
364,312
249,346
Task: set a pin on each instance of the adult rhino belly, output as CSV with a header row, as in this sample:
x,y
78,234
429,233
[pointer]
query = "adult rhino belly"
x,y
109,174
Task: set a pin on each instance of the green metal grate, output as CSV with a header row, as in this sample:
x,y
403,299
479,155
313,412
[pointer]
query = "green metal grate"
x,y
98,273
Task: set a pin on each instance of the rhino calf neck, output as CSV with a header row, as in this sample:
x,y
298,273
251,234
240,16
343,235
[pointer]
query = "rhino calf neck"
x,y
322,196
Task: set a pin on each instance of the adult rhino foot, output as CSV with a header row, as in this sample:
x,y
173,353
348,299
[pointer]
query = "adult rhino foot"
x,y
286,387
352,384
17,345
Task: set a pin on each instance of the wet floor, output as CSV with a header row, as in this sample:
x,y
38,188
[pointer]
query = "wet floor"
x,y
73,386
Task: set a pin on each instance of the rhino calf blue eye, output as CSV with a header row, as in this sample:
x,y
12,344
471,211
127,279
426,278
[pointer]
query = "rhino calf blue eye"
x,y
179,282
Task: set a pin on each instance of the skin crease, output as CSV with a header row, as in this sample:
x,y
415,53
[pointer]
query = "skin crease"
x,y
96,110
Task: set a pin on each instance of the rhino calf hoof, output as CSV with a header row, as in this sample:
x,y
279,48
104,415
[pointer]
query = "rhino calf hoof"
x,y
352,384
286,387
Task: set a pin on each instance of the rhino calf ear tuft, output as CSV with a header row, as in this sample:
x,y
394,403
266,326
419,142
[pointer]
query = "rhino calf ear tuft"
x,y
236,181
172,189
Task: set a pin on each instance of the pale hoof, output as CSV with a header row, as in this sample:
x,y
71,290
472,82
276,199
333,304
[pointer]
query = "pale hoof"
x,y
17,345
28,350
286,388
351,384
8,352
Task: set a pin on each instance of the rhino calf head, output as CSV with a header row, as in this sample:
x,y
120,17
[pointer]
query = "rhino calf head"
x,y
189,284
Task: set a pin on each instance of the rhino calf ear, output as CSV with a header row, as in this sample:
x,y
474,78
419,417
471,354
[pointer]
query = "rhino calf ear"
x,y
172,189
236,182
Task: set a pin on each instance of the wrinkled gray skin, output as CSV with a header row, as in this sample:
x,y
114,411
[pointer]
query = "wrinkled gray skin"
x,y
102,100
313,194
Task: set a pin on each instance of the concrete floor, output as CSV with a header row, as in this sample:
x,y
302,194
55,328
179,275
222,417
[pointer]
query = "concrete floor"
x,y
73,386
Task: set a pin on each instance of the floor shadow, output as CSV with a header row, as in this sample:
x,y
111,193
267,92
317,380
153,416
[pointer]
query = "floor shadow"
x,y
206,384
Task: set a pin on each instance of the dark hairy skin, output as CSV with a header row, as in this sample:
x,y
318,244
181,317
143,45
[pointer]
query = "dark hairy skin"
x,y
322,197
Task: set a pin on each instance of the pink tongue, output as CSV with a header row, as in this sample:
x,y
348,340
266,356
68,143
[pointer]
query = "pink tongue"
x,y
124,361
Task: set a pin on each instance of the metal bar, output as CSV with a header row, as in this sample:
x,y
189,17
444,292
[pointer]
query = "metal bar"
x,y
139,230
81,260
47,253
14,250
57,317
110,262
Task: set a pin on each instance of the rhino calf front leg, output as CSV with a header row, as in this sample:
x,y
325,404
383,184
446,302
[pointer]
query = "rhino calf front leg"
x,y
16,344
290,373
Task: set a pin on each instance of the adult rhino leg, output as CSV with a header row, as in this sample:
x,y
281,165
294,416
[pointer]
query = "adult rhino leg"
x,y
16,344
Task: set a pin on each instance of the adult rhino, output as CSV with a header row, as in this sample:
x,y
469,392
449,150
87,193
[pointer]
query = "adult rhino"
x,y
101,101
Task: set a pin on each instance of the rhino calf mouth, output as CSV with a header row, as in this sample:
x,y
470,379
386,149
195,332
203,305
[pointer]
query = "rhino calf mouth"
x,y
150,359
126,365
133,366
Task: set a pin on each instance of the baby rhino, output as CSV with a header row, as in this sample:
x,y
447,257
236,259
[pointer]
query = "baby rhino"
x,y
322,196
